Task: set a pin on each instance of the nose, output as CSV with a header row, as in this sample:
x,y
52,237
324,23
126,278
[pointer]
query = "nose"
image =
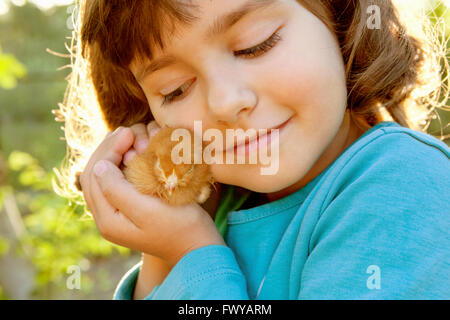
x,y
229,96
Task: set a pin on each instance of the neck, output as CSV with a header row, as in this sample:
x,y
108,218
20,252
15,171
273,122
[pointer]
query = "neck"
x,y
349,132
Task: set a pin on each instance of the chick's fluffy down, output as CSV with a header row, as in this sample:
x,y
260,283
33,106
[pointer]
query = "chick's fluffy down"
x,y
153,172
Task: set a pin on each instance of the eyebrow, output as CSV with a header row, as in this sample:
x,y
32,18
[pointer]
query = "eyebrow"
x,y
219,26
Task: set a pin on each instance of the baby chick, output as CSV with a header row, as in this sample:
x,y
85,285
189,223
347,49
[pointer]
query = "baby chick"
x,y
154,173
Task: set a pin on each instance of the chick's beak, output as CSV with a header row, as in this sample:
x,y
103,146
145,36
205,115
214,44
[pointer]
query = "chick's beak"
x,y
171,186
171,183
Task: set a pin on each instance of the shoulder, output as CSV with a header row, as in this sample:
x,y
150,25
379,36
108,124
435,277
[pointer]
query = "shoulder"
x,y
383,203
394,178
392,139
391,156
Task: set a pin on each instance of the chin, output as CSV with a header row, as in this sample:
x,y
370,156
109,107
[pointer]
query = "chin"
x,y
250,177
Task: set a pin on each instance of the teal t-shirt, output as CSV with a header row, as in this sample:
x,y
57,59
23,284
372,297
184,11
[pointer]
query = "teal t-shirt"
x,y
373,225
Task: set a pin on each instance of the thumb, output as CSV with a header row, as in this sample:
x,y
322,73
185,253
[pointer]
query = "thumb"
x,y
121,142
120,193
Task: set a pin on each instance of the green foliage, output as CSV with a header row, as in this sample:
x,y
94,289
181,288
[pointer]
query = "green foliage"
x,y
439,15
4,246
26,121
58,234
3,295
440,12
30,174
10,70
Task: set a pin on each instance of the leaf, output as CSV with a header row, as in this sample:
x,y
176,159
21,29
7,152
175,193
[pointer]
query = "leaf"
x,y
18,160
10,70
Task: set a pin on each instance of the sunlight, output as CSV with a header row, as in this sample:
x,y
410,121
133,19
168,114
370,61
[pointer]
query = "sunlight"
x,y
41,4
47,4
3,7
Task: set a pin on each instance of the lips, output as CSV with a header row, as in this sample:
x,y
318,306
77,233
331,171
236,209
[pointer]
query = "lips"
x,y
257,136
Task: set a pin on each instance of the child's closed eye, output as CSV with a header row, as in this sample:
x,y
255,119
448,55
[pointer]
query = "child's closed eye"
x,y
260,48
252,52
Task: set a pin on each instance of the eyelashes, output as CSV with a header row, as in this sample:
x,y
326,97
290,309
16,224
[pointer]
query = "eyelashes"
x,y
260,48
252,52
178,93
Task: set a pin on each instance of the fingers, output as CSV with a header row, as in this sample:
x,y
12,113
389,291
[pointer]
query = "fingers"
x,y
104,212
114,145
129,156
112,148
141,137
111,223
140,142
120,194
110,197
152,128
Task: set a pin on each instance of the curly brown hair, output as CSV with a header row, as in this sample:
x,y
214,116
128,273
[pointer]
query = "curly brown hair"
x,y
393,73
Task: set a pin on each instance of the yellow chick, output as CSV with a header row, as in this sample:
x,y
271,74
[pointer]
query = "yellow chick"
x,y
153,173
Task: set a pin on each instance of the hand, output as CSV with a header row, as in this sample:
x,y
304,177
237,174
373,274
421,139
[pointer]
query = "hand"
x,y
142,134
131,219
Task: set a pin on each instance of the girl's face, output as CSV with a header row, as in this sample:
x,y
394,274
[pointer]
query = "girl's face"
x,y
276,63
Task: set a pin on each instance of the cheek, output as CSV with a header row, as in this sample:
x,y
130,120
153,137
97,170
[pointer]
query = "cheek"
x,y
315,93
177,115
307,70
182,114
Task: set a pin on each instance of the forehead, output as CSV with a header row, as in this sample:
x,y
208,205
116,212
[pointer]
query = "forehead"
x,y
186,13
218,15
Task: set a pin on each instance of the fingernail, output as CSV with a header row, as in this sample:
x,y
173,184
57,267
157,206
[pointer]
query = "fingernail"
x,y
100,168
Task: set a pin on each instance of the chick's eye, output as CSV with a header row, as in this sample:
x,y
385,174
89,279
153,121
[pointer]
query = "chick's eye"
x,y
260,48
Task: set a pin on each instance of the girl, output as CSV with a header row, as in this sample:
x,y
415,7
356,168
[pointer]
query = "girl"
x,y
356,209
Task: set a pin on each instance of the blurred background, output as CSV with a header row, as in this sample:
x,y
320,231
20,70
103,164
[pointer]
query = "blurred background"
x,y
47,249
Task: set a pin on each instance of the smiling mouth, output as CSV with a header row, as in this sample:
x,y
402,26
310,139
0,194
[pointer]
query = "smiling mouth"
x,y
257,137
